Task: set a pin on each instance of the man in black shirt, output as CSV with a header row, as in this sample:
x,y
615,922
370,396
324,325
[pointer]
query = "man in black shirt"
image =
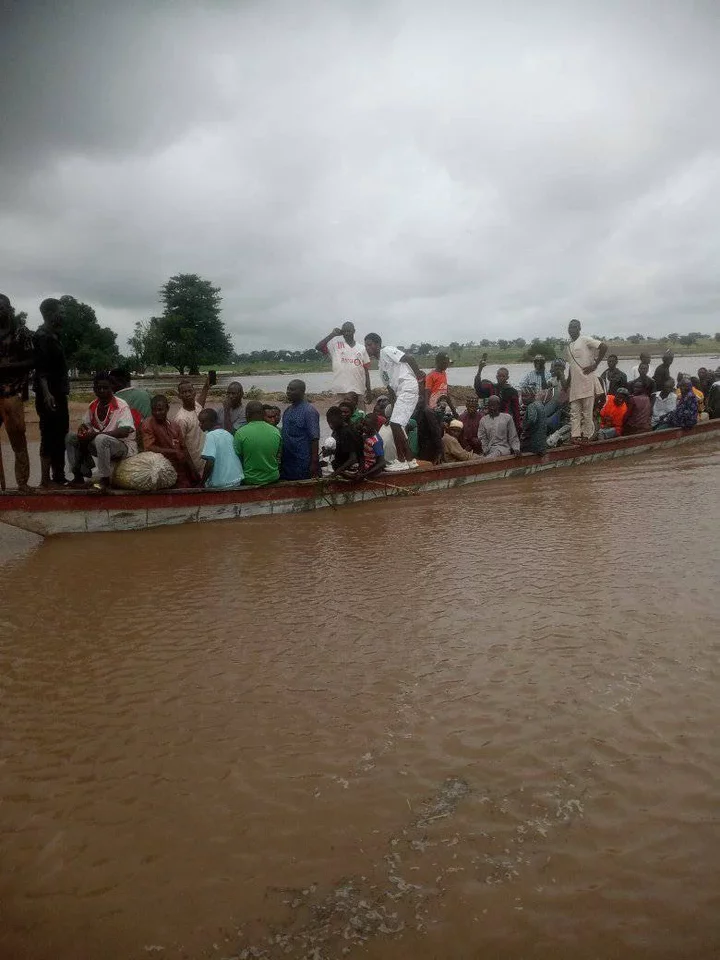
x,y
16,362
613,378
348,457
52,387
662,370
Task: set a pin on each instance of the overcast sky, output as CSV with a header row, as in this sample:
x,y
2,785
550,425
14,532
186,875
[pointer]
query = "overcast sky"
x,y
433,170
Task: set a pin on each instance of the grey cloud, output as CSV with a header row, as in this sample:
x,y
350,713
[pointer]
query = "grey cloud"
x,y
453,172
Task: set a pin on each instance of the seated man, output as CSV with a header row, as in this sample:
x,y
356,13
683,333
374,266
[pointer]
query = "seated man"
x,y
349,452
453,450
643,378
534,435
373,449
161,435
429,432
352,400
470,420
107,433
258,445
685,415
613,413
639,415
664,402
713,397
222,468
351,415
497,433
137,399
699,396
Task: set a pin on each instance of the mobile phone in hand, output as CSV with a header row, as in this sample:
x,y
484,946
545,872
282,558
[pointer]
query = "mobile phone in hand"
x,y
212,377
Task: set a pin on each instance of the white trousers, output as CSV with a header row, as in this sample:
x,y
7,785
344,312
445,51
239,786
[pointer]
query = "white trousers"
x,y
581,418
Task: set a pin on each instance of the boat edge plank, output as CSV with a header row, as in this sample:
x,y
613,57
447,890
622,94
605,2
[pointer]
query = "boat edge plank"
x,y
56,513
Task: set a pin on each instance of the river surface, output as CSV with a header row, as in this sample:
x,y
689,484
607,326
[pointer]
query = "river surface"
x,y
481,723
460,376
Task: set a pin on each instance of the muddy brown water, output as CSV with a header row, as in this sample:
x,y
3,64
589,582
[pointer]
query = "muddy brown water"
x,y
482,723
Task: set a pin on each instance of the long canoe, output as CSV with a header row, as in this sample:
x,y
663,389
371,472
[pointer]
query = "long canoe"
x,y
57,512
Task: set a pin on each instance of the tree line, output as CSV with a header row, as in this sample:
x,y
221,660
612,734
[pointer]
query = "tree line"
x,y
189,333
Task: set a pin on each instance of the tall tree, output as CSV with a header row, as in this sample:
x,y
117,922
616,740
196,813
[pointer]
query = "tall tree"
x,y
88,346
190,330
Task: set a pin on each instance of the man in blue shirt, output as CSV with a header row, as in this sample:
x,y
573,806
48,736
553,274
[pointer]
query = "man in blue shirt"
x,y
222,468
300,436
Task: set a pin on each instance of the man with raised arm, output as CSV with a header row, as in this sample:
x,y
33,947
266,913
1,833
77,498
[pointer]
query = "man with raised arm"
x,y
402,377
350,361
583,355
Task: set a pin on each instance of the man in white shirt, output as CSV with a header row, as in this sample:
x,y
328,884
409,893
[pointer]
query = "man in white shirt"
x,y
583,355
107,434
664,402
402,376
350,361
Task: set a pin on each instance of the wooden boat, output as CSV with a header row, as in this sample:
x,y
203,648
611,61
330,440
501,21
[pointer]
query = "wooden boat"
x,y
56,512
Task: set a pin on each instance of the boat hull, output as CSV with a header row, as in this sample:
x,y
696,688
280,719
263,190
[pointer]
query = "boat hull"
x,y
54,513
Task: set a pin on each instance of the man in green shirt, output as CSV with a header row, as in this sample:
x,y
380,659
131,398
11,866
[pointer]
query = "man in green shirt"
x,y
135,397
258,444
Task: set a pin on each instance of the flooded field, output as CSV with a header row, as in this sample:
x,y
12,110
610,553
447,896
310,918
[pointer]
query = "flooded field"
x,y
481,723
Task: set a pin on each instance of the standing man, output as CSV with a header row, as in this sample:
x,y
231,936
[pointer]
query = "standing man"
x,y
613,378
187,419
583,355
232,414
536,380
17,359
436,384
662,370
52,387
497,433
300,436
350,361
635,372
402,377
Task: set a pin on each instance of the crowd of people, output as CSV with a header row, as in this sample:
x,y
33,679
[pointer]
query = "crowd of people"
x,y
415,418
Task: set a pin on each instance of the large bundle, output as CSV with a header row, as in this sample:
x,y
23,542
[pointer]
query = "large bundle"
x,y
145,471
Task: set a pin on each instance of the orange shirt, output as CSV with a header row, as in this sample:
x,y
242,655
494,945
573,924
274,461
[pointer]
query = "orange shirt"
x,y
437,384
613,414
